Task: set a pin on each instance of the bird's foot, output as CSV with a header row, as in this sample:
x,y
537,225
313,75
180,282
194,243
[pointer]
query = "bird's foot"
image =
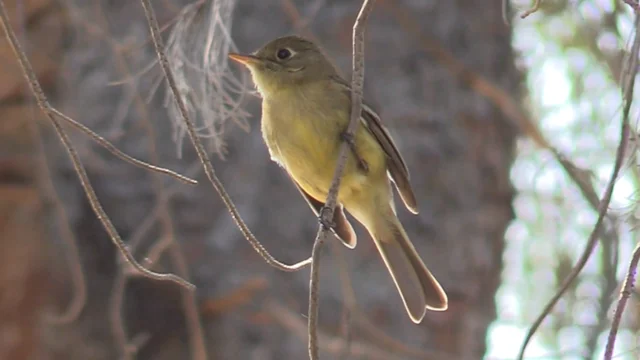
x,y
349,139
326,219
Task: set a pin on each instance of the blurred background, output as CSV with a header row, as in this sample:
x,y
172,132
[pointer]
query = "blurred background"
x,y
473,104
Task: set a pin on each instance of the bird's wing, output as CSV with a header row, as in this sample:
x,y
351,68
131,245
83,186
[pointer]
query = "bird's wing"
x,y
396,166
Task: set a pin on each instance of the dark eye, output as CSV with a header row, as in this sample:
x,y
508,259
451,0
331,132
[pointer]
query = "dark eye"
x,y
283,54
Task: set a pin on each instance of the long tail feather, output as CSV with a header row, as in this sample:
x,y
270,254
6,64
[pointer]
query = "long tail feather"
x,y
418,288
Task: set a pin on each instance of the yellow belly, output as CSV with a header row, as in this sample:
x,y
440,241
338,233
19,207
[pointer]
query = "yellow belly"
x,y
308,149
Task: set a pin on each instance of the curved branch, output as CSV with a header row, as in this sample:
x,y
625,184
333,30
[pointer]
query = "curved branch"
x,y
51,114
632,67
202,153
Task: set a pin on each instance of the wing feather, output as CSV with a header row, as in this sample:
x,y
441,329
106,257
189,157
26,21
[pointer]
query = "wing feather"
x,y
397,168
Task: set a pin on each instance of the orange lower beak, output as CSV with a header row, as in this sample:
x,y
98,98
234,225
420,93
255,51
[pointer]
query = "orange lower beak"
x,y
243,59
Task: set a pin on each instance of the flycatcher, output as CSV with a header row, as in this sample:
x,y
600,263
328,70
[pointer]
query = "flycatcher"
x,y
306,107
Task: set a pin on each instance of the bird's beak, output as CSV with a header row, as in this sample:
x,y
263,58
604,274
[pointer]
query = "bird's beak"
x,y
244,59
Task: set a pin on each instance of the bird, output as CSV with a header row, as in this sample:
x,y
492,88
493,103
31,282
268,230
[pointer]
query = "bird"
x,y
306,107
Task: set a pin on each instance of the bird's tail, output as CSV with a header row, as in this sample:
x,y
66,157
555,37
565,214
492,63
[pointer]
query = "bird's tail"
x,y
418,288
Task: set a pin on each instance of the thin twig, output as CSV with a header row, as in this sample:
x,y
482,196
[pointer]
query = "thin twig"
x,y
534,8
606,199
326,215
99,139
51,196
353,315
168,239
200,150
114,150
313,288
502,99
44,105
512,111
622,302
348,296
356,317
78,281
629,81
116,318
609,261
332,344
505,12
235,298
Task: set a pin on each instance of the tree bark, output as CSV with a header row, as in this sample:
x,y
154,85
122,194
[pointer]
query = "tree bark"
x,y
25,287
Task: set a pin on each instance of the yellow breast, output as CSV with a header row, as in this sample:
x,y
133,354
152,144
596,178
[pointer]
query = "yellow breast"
x,y
304,137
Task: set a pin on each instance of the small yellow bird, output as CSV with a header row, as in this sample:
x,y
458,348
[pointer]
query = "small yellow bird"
x,y
305,112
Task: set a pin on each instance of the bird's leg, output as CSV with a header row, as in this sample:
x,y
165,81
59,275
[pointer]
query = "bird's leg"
x,y
326,222
349,139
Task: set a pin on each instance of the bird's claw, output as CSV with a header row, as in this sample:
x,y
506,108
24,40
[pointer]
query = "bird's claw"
x,y
349,139
326,222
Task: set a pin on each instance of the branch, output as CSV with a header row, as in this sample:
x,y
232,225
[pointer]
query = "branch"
x,y
609,259
51,114
114,150
78,281
353,317
534,8
632,67
162,208
631,71
622,302
349,306
514,113
200,150
333,344
326,215
235,298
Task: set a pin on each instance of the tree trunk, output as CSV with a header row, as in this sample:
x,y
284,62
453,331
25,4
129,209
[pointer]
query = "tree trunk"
x,y
24,282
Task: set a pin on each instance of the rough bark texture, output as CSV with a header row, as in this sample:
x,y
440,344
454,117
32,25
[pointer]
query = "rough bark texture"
x,y
457,144
24,282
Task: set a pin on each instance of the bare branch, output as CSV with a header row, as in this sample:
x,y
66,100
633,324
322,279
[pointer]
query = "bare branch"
x,y
99,139
609,259
627,289
235,298
200,150
357,83
167,240
629,81
79,298
114,150
349,306
505,12
632,67
514,112
332,344
534,8
116,320
50,112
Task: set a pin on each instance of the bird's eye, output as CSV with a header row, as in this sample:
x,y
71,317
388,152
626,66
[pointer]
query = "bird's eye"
x,y
283,54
